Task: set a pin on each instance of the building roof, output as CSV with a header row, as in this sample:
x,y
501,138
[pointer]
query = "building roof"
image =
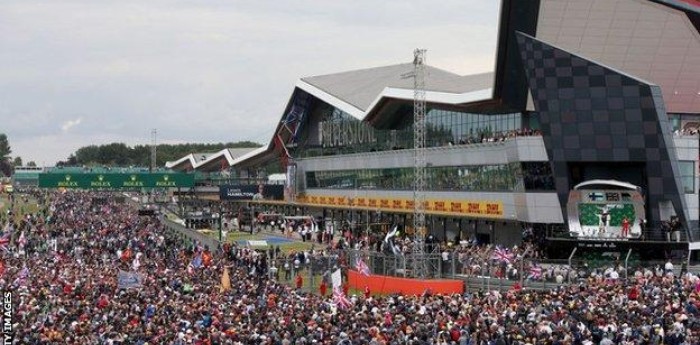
x,y
192,158
360,88
199,160
358,92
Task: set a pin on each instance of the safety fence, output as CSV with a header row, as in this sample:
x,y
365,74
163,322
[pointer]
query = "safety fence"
x,y
478,272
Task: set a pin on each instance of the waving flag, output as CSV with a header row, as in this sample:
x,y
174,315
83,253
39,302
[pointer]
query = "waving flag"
x,y
22,240
389,243
339,298
4,241
502,255
362,267
535,272
225,281
137,262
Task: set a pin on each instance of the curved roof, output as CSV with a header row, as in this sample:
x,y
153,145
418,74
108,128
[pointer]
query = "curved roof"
x,y
614,183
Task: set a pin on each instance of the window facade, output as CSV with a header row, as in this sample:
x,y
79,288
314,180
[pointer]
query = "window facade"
x,y
339,133
486,178
688,176
538,176
684,124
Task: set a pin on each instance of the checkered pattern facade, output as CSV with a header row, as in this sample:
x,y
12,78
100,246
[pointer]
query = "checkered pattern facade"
x,y
591,113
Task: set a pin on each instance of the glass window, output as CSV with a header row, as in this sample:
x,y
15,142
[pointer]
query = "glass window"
x,y
340,133
537,176
498,178
688,176
675,120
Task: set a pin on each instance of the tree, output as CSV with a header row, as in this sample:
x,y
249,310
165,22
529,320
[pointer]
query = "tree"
x,y
119,154
31,164
17,162
5,151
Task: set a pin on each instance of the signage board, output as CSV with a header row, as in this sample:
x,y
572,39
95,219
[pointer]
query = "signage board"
x,y
475,208
116,180
129,280
251,192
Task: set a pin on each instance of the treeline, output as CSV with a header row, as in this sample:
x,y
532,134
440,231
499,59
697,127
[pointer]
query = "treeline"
x,y
119,154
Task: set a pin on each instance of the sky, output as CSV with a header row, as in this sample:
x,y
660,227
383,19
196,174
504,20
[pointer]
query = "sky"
x,y
85,72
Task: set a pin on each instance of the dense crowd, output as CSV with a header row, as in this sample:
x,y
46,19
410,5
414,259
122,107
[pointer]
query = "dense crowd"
x,y
487,137
524,262
65,267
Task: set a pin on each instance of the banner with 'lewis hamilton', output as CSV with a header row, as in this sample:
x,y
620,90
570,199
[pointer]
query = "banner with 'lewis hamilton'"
x,y
251,192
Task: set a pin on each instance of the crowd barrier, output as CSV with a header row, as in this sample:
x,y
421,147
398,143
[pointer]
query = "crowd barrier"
x,y
194,235
405,286
391,273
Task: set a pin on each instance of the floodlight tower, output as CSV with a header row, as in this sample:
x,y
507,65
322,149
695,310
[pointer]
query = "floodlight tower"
x,y
154,132
419,162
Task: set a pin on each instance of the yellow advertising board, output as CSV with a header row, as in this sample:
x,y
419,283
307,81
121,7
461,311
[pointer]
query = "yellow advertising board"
x,y
471,208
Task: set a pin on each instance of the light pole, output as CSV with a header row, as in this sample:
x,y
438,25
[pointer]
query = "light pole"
x,y
219,215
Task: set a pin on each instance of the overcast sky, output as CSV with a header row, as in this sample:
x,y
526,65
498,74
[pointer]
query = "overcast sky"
x,y
81,72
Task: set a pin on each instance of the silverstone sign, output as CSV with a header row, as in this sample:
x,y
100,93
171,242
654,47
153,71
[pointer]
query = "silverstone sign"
x,y
116,180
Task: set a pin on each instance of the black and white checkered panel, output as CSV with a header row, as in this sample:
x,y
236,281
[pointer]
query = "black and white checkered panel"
x,y
590,113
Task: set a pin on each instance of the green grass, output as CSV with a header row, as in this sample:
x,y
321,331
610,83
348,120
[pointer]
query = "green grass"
x,y
235,236
21,208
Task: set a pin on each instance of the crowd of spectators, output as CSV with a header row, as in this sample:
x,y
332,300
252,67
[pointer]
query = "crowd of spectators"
x,y
68,294
487,137
469,258
686,131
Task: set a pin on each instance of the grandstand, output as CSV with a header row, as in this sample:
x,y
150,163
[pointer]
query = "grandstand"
x,y
505,148
26,176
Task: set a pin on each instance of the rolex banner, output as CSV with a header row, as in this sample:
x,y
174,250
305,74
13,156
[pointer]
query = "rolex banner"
x,y
116,180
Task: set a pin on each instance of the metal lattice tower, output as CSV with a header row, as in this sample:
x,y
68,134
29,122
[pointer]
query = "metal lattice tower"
x,y
419,162
154,132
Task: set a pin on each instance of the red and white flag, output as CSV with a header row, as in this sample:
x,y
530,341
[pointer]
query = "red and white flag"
x,y
22,240
362,267
535,272
339,299
137,262
5,240
502,255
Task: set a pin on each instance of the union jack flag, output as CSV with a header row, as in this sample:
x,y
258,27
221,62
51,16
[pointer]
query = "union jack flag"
x,y
535,272
339,299
502,255
5,240
362,267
